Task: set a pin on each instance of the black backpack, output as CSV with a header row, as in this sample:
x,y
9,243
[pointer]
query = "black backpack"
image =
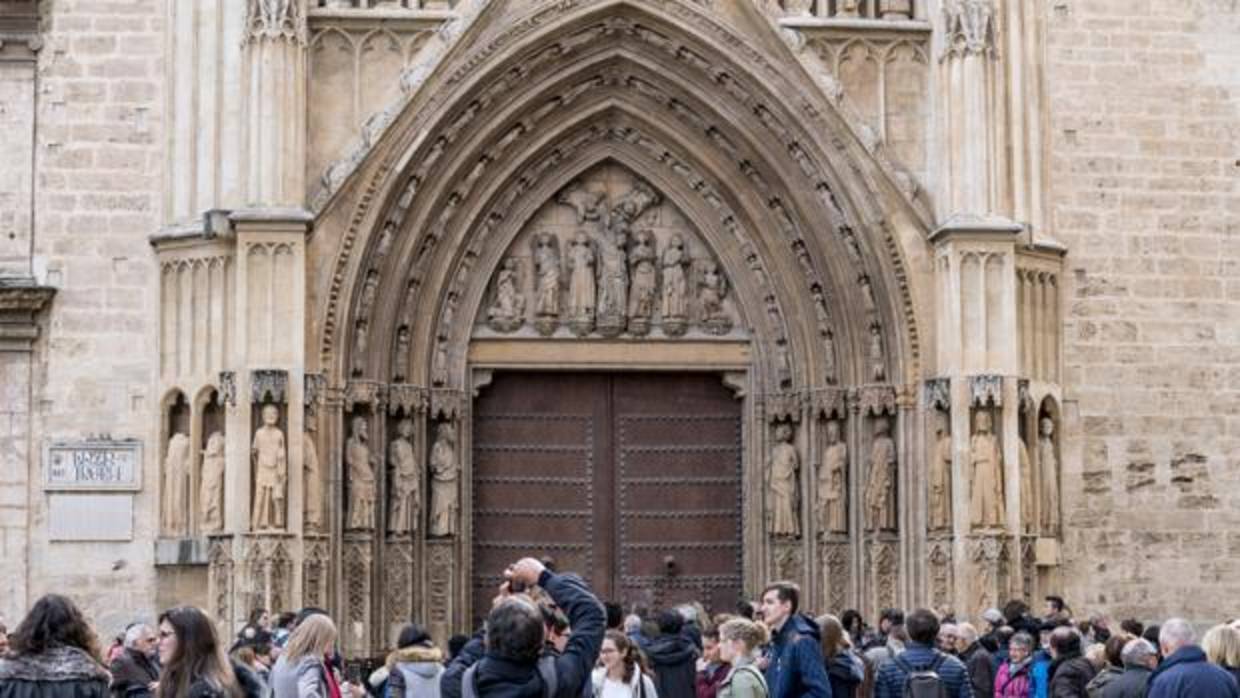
x,y
546,670
923,682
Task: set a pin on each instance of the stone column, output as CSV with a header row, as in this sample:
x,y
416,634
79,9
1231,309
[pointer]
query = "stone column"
x,y
275,102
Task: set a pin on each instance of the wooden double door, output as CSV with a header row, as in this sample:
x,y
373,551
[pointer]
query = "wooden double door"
x,y
632,480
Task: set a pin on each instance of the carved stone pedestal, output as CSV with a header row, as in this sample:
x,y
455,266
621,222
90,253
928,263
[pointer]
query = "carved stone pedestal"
x,y
399,588
834,557
357,559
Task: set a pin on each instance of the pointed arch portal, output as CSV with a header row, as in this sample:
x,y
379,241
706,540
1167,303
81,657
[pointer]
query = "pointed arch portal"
x,y
619,186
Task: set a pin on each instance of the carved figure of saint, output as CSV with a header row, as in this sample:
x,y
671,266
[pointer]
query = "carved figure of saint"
x,y
1048,462
361,469
581,287
507,313
370,290
1028,495
211,494
361,340
675,306
940,513
986,468
445,493
313,472
878,367
403,514
880,510
176,484
270,472
832,481
711,291
613,286
400,360
645,289
782,484
547,267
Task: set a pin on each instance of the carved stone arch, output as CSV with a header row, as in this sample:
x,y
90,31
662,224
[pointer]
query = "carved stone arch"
x,y
868,176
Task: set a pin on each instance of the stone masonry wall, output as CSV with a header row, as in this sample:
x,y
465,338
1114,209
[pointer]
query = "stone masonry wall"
x,y
99,151
1145,162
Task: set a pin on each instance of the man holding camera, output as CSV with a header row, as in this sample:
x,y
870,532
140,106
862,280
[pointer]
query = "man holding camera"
x,y
503,661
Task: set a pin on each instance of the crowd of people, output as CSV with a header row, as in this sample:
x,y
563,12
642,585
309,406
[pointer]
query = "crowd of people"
x,y
548,636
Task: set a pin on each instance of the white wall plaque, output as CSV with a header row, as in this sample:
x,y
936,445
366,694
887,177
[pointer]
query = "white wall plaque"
x,y
89,517
93,465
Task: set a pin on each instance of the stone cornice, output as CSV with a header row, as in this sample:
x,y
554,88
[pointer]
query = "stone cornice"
x,y
21,300
972,226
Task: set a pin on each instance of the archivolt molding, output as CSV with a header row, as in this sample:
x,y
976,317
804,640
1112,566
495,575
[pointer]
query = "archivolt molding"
x,y
800,145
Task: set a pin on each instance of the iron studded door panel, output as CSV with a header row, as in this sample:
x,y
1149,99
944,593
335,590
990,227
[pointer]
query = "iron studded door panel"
x,y
632,480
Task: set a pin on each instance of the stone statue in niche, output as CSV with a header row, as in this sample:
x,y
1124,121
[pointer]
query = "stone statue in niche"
x,y
986,474
645,290
439,366
445,493
675,306
613,289
878,366
370,291
1028,517
547,292
313,472
176,485
782,481
712,289
833,481
361,472
403,513
940,504
1048,462
880,509
361,340
581,286
507,313
400,361
211,494
270,472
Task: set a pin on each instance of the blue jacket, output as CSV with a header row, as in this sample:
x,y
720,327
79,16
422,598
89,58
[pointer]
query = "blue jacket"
x,y
499,677
794,661
891,678
1187,674
1041,675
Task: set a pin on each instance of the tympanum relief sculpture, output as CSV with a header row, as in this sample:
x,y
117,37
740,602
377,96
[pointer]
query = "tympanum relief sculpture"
x,y
880,486
176,485
406,480
270,472
445,470
783,488
986,474
360,465
608,256
211,494
833,482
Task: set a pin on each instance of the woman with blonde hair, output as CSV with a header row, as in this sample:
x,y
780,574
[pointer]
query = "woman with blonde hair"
x,y
738,640
1222,647
302,671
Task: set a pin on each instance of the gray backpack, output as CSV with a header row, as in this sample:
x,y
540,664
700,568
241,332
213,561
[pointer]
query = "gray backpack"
x,y
546,670
923,682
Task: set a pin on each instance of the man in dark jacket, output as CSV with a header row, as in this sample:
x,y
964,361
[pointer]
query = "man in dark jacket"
x,y
1139,658
134,671
977,660
1070,671
673,657
794,658
505,663
1185,673
919,655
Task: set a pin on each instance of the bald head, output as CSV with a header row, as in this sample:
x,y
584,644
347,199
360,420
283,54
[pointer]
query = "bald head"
x,y
1175,634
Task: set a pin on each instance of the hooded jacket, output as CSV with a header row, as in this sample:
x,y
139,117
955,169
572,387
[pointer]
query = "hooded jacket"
x,y
1186,673
500,677
414,671
673,659
58,672
845,672
794,661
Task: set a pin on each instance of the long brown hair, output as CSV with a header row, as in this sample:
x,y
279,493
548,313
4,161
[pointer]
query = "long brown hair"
x,y
198,655
54,621
631,656
834,639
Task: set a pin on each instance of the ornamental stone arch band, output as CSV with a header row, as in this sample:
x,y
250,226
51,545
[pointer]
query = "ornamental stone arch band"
x,y
619,195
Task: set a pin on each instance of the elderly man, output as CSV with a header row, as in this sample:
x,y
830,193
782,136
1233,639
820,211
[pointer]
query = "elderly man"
x,y
1185,673
977,659
1139,658
134,671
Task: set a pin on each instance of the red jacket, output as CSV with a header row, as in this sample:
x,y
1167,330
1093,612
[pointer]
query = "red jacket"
x,y
707,683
